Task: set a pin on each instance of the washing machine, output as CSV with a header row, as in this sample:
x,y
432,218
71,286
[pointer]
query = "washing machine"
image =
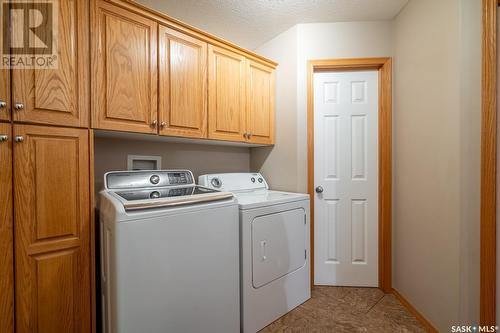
x,y
274,247
169,255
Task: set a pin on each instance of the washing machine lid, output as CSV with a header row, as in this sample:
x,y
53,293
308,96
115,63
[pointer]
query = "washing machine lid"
x,y
263,198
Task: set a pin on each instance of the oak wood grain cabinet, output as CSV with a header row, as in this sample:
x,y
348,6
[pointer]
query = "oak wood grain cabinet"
x,y
260,103
52,237
6,232
4,94
58,96
182,84
125,73
226,94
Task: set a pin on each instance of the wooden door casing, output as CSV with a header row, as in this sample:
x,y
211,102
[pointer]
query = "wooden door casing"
x,y
226,95
182,84
125,70
52,244
6,233
260,103
5,94
59,96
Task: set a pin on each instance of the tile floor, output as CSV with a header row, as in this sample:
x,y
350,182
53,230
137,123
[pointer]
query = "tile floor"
x,y
340,309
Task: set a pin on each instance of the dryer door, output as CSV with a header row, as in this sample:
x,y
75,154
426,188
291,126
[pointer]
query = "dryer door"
x,y
278,245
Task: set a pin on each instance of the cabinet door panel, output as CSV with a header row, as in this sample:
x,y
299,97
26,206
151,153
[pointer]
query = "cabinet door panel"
x,y
59,96
226,94
5,94
51,191
6,235
260,103
125,70
183,85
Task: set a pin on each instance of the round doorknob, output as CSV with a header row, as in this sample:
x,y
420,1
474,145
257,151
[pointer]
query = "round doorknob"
x,y
319,189
3,104
153,123
4,138
19,138
19,106
163,124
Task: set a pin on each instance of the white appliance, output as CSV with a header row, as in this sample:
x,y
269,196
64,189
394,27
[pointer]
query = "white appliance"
x,y
170,255
274,233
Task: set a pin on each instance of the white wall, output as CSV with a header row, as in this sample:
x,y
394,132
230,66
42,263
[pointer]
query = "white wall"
x,y
286,164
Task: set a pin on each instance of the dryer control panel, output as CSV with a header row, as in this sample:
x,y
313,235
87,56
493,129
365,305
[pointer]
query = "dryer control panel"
x,y
234,181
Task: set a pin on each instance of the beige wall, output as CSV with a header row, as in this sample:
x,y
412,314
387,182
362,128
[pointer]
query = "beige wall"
x,y
286,165
436,158
111,154
426,158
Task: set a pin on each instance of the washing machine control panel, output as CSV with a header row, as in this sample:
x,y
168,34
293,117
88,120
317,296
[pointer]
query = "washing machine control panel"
x,y
144,179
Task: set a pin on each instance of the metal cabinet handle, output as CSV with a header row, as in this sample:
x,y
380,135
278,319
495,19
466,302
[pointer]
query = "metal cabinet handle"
x,y
319,189
163,124
249,135
3,104
4,138
19,106
153,123
245,135
19,138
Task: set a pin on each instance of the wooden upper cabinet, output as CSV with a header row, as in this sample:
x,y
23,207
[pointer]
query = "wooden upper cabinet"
x,y
52,244
260,103
58,96
226,94
6,232
125,74
4,94
183,84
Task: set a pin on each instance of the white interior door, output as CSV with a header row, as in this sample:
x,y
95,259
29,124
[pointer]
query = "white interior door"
x,y
346,178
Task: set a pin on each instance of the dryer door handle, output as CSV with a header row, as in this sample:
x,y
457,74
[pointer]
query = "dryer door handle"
x,y
263,244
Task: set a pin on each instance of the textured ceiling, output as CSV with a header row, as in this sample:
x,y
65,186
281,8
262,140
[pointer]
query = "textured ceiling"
x,y
250,23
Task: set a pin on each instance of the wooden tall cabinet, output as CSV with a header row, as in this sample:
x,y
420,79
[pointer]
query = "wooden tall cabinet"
x,y
226,94
6,232
58,96
4,94
51,214
260,103
183,84
125,74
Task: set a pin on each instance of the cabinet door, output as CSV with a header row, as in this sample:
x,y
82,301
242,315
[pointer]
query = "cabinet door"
x,y
4,94
59,96
51,214
6,236
260,103
226,94
183,85
125,70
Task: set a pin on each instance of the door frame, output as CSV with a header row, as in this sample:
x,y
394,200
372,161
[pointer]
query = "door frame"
x,y
384,67
488,163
